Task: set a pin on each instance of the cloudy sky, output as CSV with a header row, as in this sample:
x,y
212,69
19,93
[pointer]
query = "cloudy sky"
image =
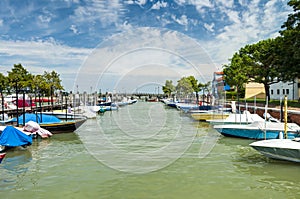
x,y
131,44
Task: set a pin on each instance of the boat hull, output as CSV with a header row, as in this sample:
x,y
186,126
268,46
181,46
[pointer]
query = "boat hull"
x,y
282,149
63,127
256,131
209,116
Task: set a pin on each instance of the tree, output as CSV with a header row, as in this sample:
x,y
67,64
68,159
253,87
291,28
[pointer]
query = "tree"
x,y
261,60
19,77
3,82
168,88
195,86
236,73
184,87
290,44
203,87
53,82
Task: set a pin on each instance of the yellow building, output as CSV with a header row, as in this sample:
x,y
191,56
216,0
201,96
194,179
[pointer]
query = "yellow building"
x,y
254,89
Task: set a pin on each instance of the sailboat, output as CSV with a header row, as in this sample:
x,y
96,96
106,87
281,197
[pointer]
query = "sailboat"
x,y
283,149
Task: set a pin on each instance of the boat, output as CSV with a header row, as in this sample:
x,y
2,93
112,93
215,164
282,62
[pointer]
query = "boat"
x,y
64,115
12,137
50,122
209,115
282,149
237,118
258,130
2,156
186,107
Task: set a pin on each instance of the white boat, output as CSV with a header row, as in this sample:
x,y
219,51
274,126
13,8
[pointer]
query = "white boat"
x,y
283,149
258,130
236,118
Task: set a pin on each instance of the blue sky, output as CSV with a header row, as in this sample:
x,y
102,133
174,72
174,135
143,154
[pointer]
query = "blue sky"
x,y
127,45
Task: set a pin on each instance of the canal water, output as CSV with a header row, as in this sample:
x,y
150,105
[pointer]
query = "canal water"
x,y
145,150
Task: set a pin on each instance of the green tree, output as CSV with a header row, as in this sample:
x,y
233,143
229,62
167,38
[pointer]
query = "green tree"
x,y
261,60
168,88
53,82
3,82
203,87
236,73
290,44
184,87
18,77
195,86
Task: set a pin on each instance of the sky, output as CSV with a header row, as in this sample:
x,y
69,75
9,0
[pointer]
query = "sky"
x,y
131,45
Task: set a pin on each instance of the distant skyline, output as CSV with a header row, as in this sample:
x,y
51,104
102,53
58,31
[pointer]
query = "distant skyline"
x,y
125,45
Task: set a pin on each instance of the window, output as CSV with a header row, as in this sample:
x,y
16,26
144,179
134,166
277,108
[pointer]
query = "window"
x,y
283,91
278,92
287,91
272,92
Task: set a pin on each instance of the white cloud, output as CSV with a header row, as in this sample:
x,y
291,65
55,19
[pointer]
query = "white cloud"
x,y
209,27
74,29
107,12
42,55
226,3
1,22
124,55
183,20
159,5
44,19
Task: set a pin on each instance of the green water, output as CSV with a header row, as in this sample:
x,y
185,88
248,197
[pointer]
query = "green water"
x,y
145,151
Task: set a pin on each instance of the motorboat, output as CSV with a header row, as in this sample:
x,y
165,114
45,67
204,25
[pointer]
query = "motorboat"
x,y
282,149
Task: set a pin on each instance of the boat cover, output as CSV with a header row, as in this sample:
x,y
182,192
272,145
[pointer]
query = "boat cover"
x,y
45,119
13,137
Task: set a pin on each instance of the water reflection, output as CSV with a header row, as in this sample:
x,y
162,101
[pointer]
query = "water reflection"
x,y
268,174
15,159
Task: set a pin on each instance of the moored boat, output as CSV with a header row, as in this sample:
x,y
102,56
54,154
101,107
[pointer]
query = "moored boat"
x,y
283,149
258,130
237,118
50,122
2,156
209,115
12,137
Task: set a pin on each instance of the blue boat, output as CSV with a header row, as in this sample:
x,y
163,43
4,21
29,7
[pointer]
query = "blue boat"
x,y
12,137
258,130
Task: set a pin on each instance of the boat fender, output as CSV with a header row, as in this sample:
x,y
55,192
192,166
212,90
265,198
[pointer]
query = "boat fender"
x,y
280,135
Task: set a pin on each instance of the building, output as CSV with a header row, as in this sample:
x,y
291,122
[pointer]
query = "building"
x,y
277,90
218,84
290,89
255,90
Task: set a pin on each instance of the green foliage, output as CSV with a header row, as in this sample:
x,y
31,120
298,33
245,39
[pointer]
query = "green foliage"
x,y
184,87
269,61
168,88
236,73
289,47
20,78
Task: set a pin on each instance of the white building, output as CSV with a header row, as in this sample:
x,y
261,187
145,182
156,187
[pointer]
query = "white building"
x,y
280,89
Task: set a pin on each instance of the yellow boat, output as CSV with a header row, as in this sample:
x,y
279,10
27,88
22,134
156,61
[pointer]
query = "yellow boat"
x,y
209,115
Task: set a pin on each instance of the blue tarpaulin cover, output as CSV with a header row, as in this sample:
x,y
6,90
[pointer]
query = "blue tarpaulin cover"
x,y
37,118
11,136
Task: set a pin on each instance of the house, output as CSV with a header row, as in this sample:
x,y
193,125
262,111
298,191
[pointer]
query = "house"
x,y
253,89
218,84
290,89
277,90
